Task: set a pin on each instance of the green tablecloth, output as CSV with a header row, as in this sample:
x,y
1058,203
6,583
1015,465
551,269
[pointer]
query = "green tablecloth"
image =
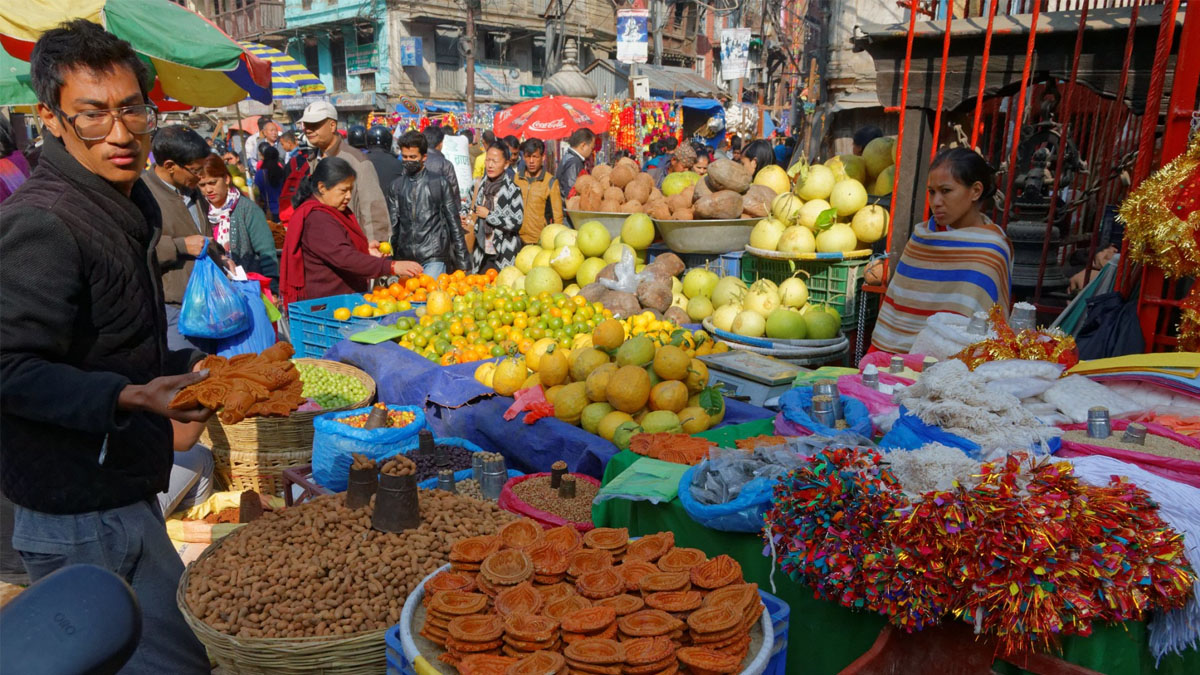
x,y
824,637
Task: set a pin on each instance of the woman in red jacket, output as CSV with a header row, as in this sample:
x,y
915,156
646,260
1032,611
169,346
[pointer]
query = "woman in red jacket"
x,y
325,252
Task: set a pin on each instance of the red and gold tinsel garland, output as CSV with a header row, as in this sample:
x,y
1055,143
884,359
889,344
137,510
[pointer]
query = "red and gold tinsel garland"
x,y
1162,216
1030,345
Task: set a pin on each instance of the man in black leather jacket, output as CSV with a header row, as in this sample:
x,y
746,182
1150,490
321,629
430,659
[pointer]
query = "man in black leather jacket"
x,y
424,211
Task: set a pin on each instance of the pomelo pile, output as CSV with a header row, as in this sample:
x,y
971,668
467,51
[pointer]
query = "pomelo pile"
x,y
766,309
827,211
618,387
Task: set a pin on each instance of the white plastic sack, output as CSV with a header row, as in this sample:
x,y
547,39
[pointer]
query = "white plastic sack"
x,y
945,334
1019,368
627,278
1073,395
457,151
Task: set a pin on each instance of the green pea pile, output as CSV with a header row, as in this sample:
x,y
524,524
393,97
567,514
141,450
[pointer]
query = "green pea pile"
x,y
329,389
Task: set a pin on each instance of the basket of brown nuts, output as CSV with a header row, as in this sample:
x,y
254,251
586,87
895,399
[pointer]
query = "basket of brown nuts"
x,y
313,588
252,454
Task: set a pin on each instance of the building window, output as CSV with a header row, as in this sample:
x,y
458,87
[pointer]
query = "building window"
x,y
312,56
337,55
494,47
446,49
305,4
539,58
366,81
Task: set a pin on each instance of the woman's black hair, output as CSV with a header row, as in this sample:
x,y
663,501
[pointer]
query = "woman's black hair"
x,y
272,165
503,148
968,167
8,143
761,152
330,172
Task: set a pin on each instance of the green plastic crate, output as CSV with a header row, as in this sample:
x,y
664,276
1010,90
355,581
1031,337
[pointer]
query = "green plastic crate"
x,y
728,436
836,283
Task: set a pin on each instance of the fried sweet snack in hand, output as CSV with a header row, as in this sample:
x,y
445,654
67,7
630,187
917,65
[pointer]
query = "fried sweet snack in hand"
x,y
247,385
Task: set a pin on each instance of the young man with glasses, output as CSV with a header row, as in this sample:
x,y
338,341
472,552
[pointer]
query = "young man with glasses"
x,y
179,154
86,377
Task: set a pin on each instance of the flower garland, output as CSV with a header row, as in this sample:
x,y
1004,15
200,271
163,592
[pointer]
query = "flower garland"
x,y
1028,554
634,125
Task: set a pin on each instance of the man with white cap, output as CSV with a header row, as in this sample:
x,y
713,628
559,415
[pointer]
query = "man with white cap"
x,y
367,202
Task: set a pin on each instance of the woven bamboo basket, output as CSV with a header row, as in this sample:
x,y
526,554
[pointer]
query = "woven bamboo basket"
x,y
360,654
252,454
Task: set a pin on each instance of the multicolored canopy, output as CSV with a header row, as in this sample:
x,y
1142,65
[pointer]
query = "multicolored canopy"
x,y
193,61
289,79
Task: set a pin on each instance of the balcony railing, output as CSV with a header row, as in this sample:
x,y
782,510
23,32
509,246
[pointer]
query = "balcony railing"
x,y
252,19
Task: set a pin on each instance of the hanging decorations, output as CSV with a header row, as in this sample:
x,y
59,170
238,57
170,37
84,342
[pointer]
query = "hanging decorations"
x,y
1162,216
1027,554
635,124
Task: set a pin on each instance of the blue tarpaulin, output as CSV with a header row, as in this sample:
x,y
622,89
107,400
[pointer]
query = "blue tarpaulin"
x,y
457,405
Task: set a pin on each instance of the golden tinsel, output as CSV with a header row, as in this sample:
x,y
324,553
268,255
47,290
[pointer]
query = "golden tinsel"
x,y
1189,322
1032,345
1160,226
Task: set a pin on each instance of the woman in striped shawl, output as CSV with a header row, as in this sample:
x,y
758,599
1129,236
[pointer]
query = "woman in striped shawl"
x,y
959,261
499,212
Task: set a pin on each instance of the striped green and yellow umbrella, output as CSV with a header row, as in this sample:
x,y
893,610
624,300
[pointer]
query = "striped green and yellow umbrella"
x,y
289,79
193,61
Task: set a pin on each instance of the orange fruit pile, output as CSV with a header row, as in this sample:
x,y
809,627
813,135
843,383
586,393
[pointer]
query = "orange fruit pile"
x,y
417,289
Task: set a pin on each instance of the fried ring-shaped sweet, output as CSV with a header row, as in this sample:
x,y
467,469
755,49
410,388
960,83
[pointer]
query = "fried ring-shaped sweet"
x,y
458,603
532,645
530,627
548,560
640,651
560,608
720,571
714,619
606,538
522,534
681,559
738,596
460,647
674,601
589,619
650,547
633,571
623,604
474,549
701,660
520,599
648,623
564,538
665,581
595,651
538,663
485,664
476,628
584,561
600,584
507,567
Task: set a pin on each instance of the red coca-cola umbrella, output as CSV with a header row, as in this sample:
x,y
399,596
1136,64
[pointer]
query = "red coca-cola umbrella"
x,y
550,118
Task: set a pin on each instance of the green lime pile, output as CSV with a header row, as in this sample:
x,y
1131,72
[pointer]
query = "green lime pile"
x,y
329,389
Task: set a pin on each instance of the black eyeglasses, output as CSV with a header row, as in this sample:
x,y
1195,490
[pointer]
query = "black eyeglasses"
x,y
94,125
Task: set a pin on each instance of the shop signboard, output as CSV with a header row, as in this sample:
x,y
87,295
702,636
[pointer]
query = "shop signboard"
x,y
633,37
497,81
735,53
531,91
410,51
361,59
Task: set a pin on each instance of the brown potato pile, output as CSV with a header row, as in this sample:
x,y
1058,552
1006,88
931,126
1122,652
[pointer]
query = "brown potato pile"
x,y
318,569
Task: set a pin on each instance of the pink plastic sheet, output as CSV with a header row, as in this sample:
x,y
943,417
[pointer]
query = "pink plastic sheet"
x,y
509,501
1182,470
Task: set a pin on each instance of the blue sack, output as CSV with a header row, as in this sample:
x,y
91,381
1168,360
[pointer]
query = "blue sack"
x,y
910,433
212,307
796,405
743,514
334,443
260,334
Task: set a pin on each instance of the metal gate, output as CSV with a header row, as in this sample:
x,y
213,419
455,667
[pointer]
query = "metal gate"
x,y
1067,98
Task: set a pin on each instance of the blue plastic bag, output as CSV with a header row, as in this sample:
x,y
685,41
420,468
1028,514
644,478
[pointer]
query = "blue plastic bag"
x,y
260,334
910,433
796,405
743,514
334,443
212,307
